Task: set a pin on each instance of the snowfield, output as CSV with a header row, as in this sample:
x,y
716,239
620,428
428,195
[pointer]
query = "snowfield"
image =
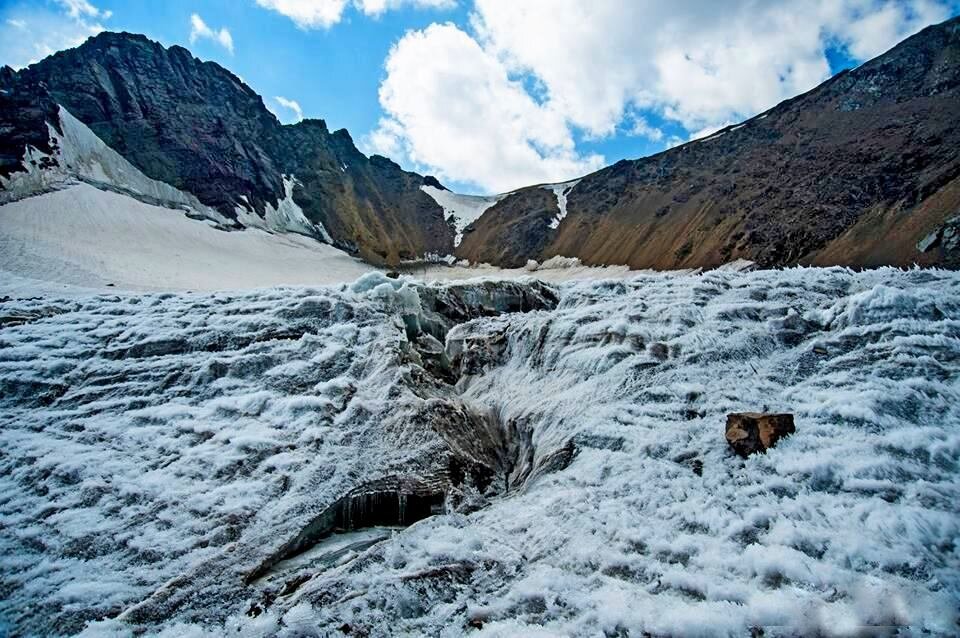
x,y
172,462
83,236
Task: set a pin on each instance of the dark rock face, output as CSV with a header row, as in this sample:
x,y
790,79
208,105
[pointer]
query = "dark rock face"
x,y
198,127
855,172
23,121
513,230
752,432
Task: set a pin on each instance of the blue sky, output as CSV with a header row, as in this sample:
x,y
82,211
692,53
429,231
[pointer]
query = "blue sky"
x,y
494,94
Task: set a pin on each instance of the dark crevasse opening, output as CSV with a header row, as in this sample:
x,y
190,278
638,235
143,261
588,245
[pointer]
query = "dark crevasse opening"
x,y
389,502
385,508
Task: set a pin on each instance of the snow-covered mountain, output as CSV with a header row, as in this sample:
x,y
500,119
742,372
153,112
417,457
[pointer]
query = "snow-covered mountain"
x,y
512,459
198,128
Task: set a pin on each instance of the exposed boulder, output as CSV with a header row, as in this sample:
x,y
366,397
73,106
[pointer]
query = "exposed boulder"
x,y
751,432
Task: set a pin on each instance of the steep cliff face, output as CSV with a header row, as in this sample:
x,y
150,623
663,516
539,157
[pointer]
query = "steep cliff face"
x,y
858,171
198,127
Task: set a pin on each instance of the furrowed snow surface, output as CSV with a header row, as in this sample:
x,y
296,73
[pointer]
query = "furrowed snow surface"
x,y
160,450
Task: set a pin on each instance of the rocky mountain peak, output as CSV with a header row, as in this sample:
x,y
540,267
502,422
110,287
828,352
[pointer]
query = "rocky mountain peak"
x,y
198,127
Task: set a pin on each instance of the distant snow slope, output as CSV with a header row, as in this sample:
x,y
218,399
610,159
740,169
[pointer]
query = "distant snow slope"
x,y
462,209
84,236
81,156
156,447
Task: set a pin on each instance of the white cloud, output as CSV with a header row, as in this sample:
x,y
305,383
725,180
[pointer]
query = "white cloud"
x,y
31,31
308,14
77,9
377,7
455,103
871,32
199,29
290,105
642,128
323,14
698,62
452,109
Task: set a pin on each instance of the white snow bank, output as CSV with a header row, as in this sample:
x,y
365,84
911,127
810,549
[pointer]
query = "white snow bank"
x,y
88,237
462,210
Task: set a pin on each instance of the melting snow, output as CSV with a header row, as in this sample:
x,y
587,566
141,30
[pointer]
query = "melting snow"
x,y
156,446
286,217
463,210
561,191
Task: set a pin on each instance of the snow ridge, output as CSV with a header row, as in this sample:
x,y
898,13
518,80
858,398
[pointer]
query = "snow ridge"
x,y
286,217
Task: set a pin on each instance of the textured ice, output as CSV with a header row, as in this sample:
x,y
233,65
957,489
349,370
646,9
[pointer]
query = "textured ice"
x,y
157,447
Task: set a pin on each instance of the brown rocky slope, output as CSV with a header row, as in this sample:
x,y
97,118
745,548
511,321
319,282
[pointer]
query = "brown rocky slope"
x,y
863,170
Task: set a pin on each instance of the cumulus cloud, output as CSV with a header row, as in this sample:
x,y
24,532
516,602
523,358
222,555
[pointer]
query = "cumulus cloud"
x,y
641,128
698,62
377,7
451,107
593,66
31,31
323,14
290,105
308,14
200,30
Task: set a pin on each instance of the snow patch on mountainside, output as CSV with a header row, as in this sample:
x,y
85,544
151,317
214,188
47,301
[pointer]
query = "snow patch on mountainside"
x,y
84,236
462,210
286,217
561,191
82,156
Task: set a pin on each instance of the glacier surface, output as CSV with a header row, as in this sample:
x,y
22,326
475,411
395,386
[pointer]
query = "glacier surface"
x,y
169,461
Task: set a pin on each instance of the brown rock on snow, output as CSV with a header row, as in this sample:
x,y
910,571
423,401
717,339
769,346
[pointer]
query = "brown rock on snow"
x,y
751,432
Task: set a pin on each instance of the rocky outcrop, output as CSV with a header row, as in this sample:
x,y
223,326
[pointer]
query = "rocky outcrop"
x,y
198,127
752,432
857,171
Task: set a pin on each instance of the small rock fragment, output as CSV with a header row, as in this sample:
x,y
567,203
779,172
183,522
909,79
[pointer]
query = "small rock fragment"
x,y
751,432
